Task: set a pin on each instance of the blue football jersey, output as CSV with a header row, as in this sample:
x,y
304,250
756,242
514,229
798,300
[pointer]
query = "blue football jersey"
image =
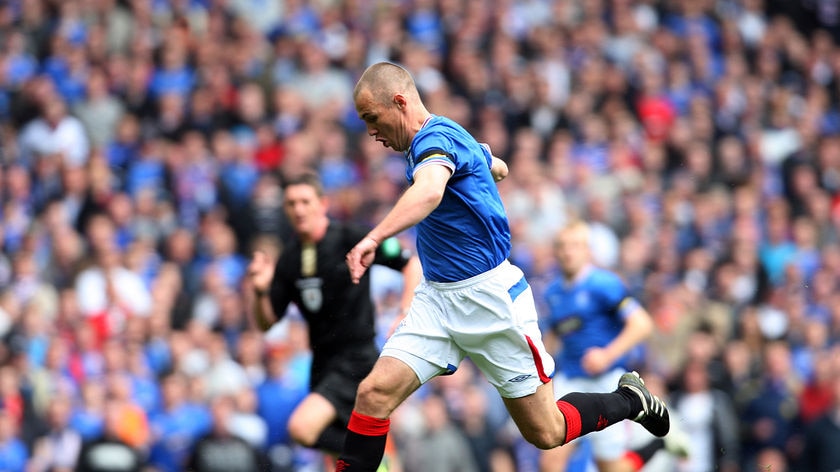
x,y
587,312
468,233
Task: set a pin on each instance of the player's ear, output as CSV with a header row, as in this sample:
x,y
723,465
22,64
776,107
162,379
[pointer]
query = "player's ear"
x,y
400,101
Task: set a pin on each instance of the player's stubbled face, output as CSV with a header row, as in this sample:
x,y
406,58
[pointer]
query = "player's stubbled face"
x,y
303,207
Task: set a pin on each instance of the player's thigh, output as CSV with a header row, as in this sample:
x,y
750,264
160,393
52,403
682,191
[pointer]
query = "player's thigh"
x,y
538,418
312,415
501,335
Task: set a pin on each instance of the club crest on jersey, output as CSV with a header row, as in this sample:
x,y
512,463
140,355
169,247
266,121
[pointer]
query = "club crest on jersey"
x,y
310,293
582,299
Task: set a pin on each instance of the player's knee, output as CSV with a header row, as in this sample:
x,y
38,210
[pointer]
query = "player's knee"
x,y
370,392
374,399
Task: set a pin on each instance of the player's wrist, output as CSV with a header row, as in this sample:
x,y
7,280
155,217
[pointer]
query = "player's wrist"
x,y
260,293
373,238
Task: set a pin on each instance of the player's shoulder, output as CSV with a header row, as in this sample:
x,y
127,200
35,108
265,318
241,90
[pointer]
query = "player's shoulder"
x,y
439,131
557,289
604,276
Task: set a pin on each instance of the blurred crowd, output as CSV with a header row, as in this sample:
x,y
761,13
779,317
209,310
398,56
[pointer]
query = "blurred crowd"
x,y
143,143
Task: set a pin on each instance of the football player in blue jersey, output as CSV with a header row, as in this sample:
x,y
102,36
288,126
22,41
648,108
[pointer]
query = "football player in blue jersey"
x,y
600,327
472,301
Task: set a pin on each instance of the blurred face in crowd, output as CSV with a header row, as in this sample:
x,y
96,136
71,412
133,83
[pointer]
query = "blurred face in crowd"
x,y
571,248
306,210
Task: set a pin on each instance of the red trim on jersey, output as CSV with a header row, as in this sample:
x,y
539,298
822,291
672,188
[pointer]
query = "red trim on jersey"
x,y
573,422
368,425
538,360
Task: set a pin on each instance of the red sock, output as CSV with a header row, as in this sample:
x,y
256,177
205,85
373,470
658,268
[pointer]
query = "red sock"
x,y
634,459
588,412
364,444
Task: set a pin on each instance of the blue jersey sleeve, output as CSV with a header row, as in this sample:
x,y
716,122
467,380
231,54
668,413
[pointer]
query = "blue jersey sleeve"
x,y
615,295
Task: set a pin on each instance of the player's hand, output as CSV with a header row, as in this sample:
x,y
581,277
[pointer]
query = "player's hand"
x,y
261,271
360,258
595,361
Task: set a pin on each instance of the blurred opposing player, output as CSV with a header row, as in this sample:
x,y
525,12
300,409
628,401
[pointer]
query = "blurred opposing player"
x,y
599,326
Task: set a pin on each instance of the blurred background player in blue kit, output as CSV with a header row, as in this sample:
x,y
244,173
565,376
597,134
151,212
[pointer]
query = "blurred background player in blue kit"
x,y
599,329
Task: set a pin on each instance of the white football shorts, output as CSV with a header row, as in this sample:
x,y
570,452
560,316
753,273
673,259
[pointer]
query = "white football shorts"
x,y
490,317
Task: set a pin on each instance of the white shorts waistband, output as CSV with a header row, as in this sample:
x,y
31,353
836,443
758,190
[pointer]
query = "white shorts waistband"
x,y
472,280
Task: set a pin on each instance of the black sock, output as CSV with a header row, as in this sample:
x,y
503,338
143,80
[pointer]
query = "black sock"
x,y
331,439
639,457
364,444
588,412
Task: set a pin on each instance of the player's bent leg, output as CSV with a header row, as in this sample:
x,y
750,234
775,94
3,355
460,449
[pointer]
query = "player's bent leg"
x,y
580,413
310,419
538,418
389,383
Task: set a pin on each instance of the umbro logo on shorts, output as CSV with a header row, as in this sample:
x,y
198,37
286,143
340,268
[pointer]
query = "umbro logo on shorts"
x,y
520,378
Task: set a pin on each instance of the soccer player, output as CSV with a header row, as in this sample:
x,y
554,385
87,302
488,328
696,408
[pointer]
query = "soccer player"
x,y
472,301
311,273
599,325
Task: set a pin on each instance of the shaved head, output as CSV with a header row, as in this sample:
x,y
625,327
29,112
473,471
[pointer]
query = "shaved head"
x,y
383,80
387,100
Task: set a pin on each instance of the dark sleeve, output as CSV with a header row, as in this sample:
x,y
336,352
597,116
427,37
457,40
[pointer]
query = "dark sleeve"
x,y
279,292
391,253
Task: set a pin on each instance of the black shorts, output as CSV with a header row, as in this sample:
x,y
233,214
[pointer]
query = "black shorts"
x,y
338,377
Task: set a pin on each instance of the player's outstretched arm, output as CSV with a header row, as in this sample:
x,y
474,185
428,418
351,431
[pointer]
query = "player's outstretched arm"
x,y
637,328
416,203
